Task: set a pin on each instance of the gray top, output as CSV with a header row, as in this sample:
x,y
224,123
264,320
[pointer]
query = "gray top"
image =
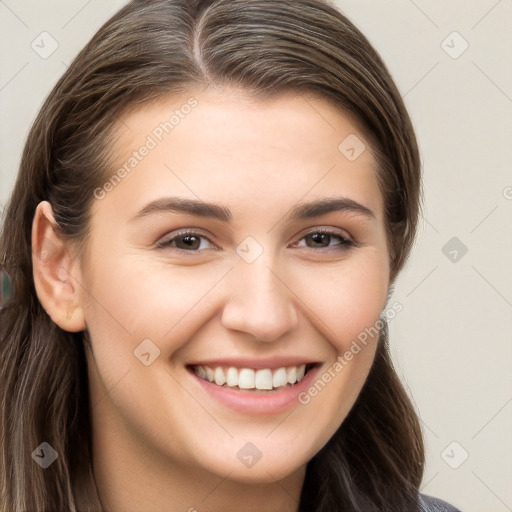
x,y
431,504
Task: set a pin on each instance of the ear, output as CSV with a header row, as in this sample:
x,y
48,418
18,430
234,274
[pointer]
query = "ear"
x,y
56,271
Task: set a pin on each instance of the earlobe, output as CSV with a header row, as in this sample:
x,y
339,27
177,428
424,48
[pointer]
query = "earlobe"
x,y
56,271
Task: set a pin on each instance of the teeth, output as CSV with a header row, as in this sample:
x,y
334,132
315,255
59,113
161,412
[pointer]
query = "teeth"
x,y
220,378
200,371
247,378
209,373
232,377
279,378
263,379
301,371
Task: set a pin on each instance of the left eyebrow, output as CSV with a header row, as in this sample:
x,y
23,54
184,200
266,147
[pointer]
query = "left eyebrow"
x,y
328,205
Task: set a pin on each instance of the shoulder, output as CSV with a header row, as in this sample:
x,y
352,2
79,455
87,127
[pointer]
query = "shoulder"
x,y
431,504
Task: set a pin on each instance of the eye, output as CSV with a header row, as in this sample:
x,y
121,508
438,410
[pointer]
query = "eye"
x,y
323,239
193,241
190,241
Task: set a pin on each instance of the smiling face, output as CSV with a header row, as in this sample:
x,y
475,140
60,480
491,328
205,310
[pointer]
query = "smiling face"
x,y
275,276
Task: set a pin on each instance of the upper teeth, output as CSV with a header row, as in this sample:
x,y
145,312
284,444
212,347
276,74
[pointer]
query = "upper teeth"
x,y
247,378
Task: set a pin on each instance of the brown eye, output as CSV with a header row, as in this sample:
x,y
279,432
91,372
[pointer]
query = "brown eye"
x,y
325,239
186,241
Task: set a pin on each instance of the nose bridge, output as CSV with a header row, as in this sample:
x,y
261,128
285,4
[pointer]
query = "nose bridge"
x,y
259,303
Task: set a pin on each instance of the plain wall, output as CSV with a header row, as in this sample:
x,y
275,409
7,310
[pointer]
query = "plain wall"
x,y
452,341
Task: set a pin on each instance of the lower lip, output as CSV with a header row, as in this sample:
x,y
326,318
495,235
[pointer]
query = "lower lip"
x,y
247,402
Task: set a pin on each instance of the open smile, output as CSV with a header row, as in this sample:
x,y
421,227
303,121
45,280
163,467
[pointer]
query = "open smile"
x,y
255,387
250,379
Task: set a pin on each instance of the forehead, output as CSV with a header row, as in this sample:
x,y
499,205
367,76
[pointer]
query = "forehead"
x,y
228,146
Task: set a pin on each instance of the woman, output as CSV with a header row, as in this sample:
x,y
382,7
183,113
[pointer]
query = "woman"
x,y
212,207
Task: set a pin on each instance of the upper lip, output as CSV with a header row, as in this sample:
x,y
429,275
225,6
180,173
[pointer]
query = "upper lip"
x,y
257,363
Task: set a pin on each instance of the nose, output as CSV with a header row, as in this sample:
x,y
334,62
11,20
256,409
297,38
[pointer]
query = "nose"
x,y
260,302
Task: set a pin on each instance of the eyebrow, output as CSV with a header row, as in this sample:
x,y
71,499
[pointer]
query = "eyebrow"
x,y
222,213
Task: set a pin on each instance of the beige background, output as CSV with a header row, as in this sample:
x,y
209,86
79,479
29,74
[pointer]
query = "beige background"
x,y
452,341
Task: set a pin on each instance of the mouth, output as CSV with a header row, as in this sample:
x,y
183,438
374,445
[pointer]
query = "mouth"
x,y
251,380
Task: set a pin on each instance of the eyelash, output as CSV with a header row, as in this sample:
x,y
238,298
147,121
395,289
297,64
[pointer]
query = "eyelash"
x,y
344,245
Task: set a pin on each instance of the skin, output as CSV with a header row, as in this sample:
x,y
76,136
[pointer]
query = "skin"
x,y
160,442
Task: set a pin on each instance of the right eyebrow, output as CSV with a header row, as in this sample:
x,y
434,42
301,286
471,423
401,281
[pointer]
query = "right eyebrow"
x,y
181,205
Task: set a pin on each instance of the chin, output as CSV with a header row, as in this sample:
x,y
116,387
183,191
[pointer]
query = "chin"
x,y
267,470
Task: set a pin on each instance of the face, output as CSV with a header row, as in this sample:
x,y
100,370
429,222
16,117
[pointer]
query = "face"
x,y
241,248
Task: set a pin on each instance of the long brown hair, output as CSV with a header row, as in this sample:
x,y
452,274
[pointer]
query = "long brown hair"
x,y
152,48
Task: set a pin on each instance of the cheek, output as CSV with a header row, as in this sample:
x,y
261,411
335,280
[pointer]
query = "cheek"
x,y
346,304
137,299
347,299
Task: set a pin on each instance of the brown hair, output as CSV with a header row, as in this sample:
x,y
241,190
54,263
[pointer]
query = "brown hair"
x,y
151,48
